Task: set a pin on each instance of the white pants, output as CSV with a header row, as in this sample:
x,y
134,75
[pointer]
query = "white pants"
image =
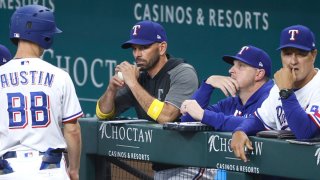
x,y
27,164
190,173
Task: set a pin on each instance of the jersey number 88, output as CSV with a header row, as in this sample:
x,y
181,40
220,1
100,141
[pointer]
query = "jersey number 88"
x,y
18,109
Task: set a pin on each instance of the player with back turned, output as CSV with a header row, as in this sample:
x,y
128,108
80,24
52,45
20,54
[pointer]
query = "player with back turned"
x,y
37,100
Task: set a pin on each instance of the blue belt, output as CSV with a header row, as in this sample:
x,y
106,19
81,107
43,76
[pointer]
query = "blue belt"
x,y
5,167
52,158
13,154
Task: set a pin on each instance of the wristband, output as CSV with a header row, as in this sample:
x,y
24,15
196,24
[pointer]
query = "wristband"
x,y
155,109
102,115
285,93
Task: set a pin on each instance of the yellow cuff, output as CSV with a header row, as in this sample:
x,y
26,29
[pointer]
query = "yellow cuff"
x,y
155,109
102,115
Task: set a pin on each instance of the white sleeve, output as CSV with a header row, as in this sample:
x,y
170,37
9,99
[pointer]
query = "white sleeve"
x,y
268,111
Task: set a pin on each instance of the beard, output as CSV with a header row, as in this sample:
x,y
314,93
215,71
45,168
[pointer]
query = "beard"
x,y
147,65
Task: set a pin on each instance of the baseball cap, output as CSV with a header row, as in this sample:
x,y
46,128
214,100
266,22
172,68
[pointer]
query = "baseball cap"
x,y
145,33
297,36
5,55
252,56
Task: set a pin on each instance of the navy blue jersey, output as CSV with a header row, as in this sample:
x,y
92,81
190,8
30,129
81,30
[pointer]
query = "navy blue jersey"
x,y
222,115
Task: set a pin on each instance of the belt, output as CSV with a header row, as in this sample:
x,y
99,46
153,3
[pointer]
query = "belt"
x,y
13,154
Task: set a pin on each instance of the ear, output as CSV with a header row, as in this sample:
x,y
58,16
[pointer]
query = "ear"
x,y
314,54
260,74
163,48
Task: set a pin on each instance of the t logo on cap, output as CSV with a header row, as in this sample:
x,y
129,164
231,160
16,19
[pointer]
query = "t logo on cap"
x,y
252,56
297,36
243,48
135,28
293,32
145,33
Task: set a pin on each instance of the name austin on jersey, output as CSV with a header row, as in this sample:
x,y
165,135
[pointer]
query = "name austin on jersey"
x,y
26,78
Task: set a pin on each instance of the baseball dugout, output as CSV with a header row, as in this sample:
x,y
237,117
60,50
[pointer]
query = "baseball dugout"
x,y
149,142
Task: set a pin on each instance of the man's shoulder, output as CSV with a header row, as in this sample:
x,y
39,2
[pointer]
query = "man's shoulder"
x,y
266,87
182,65
50,68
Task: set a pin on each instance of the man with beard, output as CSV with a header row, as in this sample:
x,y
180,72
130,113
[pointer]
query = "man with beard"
x,y
156,86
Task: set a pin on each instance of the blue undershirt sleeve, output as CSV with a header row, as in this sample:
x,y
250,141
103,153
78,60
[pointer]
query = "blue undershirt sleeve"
x,y
298,120
202,96
221,122
251,126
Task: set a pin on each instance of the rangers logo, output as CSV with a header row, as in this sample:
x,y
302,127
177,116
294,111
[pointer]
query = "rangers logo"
x,y
315,115
135,29
281,116
315,110
243,48
293,32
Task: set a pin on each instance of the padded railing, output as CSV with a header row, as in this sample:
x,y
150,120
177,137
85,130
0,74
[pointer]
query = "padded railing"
x,y
150,142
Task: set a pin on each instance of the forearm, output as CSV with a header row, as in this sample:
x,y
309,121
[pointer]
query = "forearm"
x,y
203,94
298,120
168,113
220,122
106,101
142,96
251,126
72,134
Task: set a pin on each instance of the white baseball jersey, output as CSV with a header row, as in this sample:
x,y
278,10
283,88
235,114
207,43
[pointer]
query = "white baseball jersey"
x,y
272,113
36,98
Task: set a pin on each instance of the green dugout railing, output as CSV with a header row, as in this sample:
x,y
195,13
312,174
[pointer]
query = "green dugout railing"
x,y
150,142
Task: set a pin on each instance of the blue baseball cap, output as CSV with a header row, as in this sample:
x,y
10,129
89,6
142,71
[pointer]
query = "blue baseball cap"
x,y
252,56
5,55
145,33
297,36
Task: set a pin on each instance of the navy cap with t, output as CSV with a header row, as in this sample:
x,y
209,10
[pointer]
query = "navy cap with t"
x,y
5,55
145,33
252,56
297,36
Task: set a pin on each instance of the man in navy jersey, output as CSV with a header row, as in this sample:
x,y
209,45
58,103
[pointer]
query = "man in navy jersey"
x,y
294,100
248,85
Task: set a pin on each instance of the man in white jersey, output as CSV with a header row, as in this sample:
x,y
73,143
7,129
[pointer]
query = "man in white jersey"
x,y
37,100
293,103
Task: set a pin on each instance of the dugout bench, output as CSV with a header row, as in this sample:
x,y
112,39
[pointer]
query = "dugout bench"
x,y
148,141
